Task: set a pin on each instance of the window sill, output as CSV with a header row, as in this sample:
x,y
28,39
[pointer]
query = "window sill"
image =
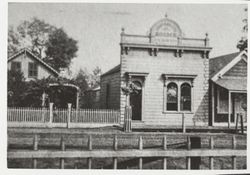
x,y
177,112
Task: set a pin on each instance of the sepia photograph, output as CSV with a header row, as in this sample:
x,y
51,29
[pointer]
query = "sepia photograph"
x,y
127,86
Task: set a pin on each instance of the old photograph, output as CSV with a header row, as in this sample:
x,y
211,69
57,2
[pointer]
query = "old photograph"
x,y
127,86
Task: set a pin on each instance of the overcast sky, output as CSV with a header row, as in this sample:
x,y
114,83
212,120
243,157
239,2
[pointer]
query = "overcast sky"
x,y
97,27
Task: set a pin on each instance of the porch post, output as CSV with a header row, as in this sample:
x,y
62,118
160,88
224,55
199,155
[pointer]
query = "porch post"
x,y
212,94
229,108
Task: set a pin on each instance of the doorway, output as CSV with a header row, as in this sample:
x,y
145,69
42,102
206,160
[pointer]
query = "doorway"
x,y
136,101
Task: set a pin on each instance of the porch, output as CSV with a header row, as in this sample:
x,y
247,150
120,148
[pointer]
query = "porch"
x,y
228,100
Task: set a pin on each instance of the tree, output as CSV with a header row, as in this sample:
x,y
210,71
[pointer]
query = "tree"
x,y
242,44
94,78
30,34
48,42
60,49
81,80
16,88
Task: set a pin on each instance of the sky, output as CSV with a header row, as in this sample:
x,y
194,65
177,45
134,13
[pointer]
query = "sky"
x,y
97,26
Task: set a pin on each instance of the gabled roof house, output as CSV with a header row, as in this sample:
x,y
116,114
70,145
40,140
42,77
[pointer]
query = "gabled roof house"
x,y
31,65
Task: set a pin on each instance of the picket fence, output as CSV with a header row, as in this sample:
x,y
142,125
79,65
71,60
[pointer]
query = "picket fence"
x,y
71,118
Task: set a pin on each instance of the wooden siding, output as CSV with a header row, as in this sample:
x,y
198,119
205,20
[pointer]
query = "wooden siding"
x,y
25,59
139,60
113,81
239,70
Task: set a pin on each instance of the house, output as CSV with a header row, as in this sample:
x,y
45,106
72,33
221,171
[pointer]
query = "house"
x,y
171,73
228,88
31,65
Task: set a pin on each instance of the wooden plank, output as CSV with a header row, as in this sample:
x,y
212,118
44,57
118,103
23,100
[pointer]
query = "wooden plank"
x,y
164,163
125,153
115,143
234,162
188,163
229,109
183,123
140,148
89,160
63,149
114,163
35,148
90,142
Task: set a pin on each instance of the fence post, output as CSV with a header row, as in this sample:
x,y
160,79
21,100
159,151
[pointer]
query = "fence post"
x,y
68,116
90,148
63,149
233,157
164,142
211,158
242,123
35,148
50,114
188,161
140,148
115,144
183,123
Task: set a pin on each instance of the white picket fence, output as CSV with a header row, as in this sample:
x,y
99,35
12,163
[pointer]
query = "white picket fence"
x,y
71,118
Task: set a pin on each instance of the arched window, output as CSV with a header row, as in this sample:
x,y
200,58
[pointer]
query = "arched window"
x,y
185,97
172,97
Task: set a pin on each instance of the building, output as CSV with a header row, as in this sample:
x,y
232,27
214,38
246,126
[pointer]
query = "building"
x,y
92,98
228,88
31,65
171,73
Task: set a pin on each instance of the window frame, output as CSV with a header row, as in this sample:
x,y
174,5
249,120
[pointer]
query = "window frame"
x,y
15,63
179,80
181,100
34,69
177,96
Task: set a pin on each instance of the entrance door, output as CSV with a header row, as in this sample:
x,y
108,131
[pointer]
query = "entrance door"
x,y
136,101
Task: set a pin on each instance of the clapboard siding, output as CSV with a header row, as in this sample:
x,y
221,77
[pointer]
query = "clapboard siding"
x,y
114,94
239,70
139,60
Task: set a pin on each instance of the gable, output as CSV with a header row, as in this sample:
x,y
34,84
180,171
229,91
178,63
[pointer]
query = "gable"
x,y
25,53
218,63
230,64
239,70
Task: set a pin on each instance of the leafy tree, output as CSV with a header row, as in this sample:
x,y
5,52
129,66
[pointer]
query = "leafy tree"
x,y
242,44
81,80
50,43
16,88
94,78
60,49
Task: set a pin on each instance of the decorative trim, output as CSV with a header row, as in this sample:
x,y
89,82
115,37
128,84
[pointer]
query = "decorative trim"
x,y
179,76
25,50
137,74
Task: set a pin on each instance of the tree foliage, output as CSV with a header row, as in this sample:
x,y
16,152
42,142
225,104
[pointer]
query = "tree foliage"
x,y
50,43
16,88
242,44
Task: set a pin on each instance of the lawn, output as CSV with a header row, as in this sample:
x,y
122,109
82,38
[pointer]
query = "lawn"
x,y
77,139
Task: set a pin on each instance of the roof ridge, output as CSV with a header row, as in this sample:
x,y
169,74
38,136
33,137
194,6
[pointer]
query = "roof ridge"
x,y
35,56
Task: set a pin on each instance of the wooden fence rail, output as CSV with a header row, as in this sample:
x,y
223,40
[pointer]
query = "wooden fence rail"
x,y
44,117
164,153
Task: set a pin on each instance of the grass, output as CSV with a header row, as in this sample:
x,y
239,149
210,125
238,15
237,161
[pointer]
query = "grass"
x,y
103,139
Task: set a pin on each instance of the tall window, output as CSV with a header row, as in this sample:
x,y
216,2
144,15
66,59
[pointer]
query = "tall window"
x,y
172,97
16,66
33,69
185,97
